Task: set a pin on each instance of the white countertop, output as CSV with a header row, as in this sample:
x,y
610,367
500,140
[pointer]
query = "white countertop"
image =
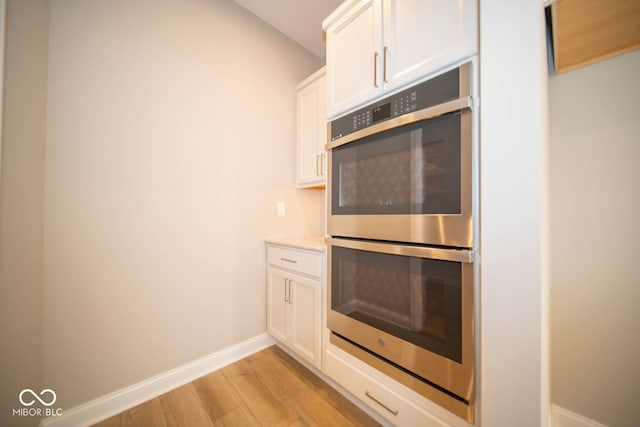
x,y
313,243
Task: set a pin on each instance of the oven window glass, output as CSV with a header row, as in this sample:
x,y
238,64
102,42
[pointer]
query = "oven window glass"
x,y
409,170
416,299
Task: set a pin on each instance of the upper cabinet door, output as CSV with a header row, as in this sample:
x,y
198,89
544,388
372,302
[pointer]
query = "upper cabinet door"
x,y
354,57
424,36
311,131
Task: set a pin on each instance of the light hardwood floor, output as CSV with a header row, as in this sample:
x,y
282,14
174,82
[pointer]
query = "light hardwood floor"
x,y
268,388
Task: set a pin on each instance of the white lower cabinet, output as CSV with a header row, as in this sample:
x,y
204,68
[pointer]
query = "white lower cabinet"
x,y
294,300
390,404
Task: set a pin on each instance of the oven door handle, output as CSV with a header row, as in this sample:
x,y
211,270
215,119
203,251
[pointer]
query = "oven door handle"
x,y
457,255
406,119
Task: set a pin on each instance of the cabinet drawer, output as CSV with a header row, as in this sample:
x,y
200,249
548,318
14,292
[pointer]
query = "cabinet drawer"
x,y
389,404
300,261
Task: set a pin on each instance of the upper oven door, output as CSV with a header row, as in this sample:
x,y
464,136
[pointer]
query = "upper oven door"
x,y
406,180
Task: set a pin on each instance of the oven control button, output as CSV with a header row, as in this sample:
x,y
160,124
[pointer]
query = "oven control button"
x,y
381,341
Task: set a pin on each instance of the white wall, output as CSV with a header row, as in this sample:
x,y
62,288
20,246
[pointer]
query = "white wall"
x,y
513,371
21,213
170,137
595,244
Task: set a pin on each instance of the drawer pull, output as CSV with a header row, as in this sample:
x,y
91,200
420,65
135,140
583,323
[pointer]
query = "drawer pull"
x,y
393,411
292,261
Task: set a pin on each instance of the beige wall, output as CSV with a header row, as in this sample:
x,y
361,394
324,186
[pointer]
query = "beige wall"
x,y
595,288
23,148
170,138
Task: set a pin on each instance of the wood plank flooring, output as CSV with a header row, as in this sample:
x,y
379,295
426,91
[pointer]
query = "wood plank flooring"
x,y
268,388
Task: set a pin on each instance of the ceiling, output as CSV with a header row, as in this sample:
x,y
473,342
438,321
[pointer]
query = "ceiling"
x,y
300,20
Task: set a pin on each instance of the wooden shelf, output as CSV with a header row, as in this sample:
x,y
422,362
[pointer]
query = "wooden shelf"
x,y
587,31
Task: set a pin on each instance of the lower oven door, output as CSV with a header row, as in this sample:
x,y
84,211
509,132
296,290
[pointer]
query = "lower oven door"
x,y
410,306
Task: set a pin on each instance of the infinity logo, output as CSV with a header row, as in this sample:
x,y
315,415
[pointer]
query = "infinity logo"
x,y
36,397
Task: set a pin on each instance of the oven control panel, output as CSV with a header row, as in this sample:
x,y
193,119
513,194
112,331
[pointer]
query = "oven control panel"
x,y
396,107
437,90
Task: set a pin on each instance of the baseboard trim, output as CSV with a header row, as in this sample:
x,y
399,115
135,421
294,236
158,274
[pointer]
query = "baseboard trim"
x,y
561,417
121,400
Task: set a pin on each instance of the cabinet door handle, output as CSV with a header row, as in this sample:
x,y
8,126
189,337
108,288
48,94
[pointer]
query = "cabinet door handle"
x,y
290,299
384,61
286,290
292,261
375,69
322,173
317,173
393,411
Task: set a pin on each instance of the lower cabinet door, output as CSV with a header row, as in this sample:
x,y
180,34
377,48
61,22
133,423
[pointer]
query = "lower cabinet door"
x,y
294,313
306,337
277,307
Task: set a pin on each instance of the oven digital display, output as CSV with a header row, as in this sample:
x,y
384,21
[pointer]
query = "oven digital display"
x,y
382,112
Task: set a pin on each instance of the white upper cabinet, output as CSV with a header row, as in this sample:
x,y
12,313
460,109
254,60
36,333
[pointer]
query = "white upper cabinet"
x,y
377,46
423,36
311,131
353,56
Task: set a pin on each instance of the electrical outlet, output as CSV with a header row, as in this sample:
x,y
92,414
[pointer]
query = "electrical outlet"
x,y
281,208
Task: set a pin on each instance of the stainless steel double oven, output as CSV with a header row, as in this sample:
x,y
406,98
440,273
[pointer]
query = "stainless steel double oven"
x,y
401,245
